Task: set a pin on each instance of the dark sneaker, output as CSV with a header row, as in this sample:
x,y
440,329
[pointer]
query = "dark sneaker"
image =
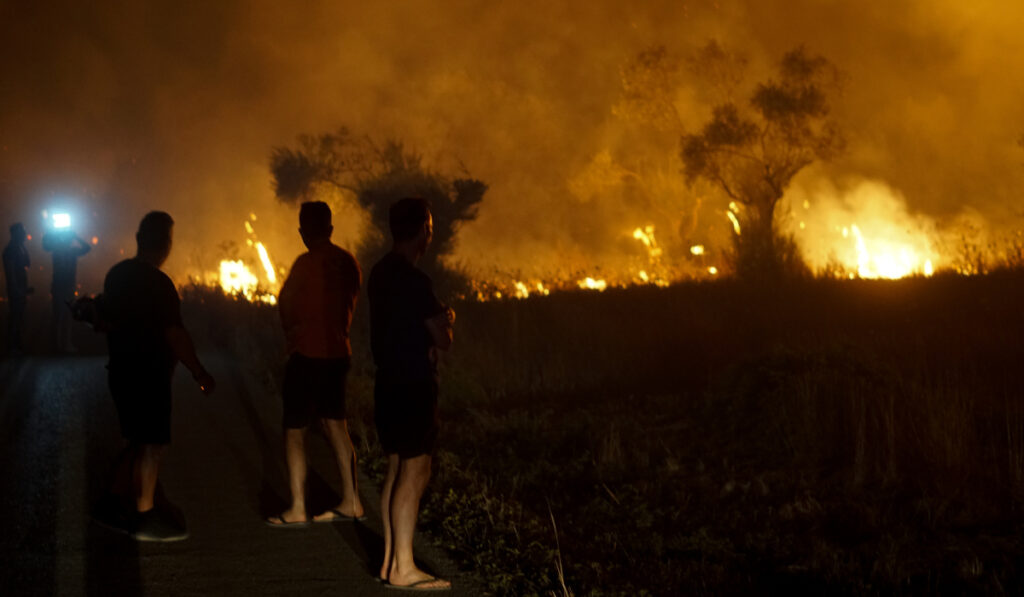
x,y
155,525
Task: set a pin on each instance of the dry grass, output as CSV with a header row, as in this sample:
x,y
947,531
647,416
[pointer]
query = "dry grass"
x,y
833,437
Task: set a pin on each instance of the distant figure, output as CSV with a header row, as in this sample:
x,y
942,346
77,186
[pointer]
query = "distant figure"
x,y
316,305
141,313
408,325
66,247
16,264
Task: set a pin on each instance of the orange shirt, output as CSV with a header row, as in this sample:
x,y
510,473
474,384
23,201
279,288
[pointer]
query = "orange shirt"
x,y
317,300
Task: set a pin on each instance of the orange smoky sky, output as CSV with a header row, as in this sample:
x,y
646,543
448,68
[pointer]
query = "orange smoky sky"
x,y
117,108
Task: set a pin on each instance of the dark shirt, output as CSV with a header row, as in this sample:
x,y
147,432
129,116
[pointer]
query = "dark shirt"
x,y
16,270
139,303
66,249
401,301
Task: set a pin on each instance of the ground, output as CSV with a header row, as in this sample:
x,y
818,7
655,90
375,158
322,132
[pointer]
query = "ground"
x,y
225,470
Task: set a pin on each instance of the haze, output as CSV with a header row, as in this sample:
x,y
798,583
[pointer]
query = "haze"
x,y
131,106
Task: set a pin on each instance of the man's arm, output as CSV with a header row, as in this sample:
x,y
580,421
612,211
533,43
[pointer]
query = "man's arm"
x,y
185,351
83,247
441,328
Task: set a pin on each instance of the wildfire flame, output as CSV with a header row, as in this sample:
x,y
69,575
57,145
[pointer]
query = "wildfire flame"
x,y
731,214
877,241
646,236
887,260
864,231
268,267
236,279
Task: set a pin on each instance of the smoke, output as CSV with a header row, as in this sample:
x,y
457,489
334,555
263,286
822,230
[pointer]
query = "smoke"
x,y
862,223
125,107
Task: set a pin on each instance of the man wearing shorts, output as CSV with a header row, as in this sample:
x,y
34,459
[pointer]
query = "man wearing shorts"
x,y
316,305
408,325
141,312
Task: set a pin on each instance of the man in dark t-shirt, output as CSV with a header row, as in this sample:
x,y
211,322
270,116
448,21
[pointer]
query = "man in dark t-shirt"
x,y
16,263
408,326
140,310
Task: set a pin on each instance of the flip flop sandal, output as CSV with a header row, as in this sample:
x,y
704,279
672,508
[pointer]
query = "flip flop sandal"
x,y
337,516
418,586
278,522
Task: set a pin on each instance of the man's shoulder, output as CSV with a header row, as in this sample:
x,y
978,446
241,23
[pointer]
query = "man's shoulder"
x,y
386,267
398,273
139,270
121,268
342,255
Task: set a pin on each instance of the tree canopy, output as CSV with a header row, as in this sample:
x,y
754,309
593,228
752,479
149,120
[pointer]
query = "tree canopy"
x,y
376,175
751,151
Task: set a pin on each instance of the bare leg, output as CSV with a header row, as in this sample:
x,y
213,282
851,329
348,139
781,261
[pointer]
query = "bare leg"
x,y
146,470
386,493
337,434
295,455
413,474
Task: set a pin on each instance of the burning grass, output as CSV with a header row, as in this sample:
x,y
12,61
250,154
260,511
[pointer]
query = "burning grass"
x,y
848,437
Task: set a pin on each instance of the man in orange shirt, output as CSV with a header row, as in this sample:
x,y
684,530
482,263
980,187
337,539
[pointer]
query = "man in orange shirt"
x,y
316,304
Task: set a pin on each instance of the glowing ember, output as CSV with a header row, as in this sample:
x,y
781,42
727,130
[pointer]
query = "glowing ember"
x,y
593,284
697,249
646,236
95,240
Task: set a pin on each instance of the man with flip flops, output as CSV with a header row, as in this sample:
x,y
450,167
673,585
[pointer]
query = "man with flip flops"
x,y
316,304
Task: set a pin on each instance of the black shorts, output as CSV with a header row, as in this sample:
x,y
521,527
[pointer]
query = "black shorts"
x,y
405,413
143,401
313,388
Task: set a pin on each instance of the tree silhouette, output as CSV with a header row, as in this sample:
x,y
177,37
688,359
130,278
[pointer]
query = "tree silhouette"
x,y
751,153
377,175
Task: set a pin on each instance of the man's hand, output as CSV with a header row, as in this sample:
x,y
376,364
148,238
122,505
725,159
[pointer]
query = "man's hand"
x,y
206,382
440,328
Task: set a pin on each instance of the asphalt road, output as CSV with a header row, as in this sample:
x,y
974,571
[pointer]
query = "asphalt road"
x,y
225,470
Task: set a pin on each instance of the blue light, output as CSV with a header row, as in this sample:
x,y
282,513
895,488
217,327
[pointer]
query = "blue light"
x,y
61,220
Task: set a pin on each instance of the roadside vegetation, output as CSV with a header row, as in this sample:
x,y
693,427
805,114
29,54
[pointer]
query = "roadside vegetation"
x,y
840,437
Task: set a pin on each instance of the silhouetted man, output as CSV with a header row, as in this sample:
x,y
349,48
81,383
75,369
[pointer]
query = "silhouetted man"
x,y
408,325
140,310
316,304
66,247
16,264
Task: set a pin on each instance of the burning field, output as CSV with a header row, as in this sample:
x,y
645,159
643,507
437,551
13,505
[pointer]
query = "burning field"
x,y
738,282
830,436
